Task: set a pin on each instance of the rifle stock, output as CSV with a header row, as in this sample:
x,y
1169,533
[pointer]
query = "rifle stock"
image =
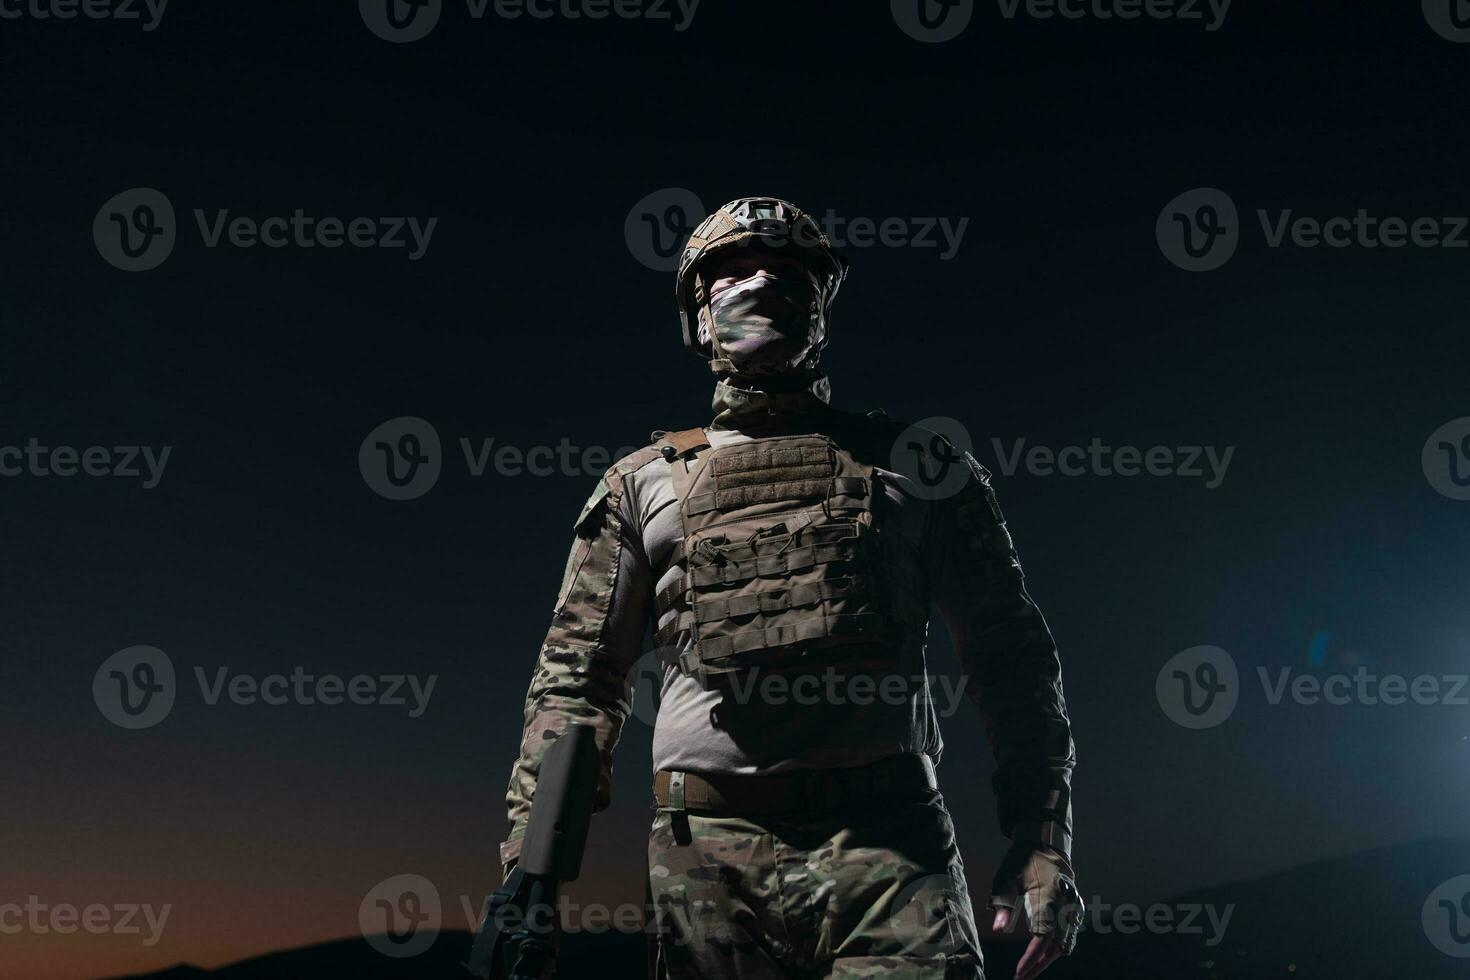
x,y
517,939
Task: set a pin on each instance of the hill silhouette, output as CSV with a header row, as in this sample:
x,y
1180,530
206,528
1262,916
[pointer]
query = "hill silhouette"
x,y
1359,917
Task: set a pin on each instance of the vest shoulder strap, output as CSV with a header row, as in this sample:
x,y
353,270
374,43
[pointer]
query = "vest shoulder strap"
x,y
680,449
685,441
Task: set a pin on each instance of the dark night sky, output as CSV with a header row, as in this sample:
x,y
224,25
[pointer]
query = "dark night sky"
x,y
529,321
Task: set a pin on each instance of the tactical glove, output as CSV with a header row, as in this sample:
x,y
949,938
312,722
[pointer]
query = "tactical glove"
x,y
1043,877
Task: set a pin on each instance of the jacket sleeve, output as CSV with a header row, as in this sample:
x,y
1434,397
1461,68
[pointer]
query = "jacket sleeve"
x,y
1010,662
596,634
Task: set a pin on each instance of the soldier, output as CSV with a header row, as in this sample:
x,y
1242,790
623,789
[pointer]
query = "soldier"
x,y
789,568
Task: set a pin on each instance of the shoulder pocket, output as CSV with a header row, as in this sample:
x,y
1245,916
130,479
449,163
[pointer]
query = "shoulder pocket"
x,y
581,543
599,494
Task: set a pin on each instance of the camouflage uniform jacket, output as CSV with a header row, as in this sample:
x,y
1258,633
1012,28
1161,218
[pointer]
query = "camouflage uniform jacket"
x,y
962,552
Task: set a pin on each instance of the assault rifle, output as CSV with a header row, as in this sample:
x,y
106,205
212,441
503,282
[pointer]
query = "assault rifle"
x,y
518,938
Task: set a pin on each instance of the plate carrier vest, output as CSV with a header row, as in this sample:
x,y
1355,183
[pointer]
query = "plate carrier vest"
x,y
782,566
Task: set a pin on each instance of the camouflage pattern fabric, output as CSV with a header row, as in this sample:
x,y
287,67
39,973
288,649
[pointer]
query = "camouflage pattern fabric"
x,y
578,679
875,892
973,575
1006,647
766,324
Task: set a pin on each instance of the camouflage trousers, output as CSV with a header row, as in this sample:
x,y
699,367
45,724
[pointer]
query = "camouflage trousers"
x,y
875,891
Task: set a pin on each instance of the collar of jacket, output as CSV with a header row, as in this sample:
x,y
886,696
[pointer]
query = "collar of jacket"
x,y
744,403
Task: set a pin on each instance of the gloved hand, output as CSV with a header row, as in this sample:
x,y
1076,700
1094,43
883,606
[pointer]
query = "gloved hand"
x,y
1044,879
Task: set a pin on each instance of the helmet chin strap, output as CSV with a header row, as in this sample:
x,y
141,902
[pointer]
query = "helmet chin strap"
x,y
719,363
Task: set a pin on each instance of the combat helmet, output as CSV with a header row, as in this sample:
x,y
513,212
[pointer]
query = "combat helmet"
x,y
768,221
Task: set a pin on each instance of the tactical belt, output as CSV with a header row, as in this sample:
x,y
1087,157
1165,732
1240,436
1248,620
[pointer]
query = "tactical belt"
x,y
805,792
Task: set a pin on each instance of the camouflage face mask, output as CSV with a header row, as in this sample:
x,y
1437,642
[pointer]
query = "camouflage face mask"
x,y
768,324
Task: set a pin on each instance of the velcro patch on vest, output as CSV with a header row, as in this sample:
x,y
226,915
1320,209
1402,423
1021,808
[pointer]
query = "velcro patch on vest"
x,y
854,488
753,461
768,474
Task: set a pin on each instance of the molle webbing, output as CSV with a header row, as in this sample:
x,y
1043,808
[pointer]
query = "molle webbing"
x,y
852,626
779,600
839,563
779,555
